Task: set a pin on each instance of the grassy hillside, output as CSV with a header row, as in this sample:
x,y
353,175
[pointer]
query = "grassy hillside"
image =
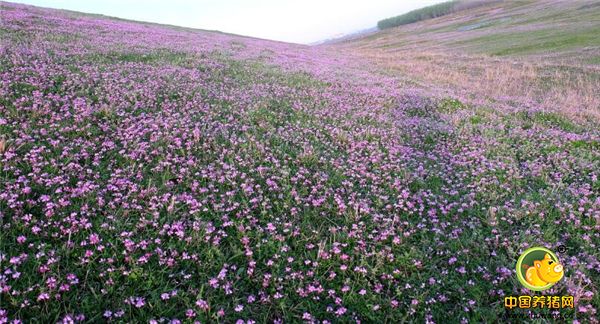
x,y
544,53
158,174
503,28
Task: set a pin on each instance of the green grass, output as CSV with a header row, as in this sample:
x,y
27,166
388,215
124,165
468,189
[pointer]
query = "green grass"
x,y
450,105
537,41
554,120
594,60
581,144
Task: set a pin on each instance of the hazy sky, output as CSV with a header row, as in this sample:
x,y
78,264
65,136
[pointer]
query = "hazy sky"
x,y
302,21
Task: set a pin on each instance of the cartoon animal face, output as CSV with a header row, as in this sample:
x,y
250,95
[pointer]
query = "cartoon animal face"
x,y
548,269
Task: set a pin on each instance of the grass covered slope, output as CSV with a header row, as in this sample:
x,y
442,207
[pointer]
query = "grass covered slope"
x,y
502,28
521,53
152,173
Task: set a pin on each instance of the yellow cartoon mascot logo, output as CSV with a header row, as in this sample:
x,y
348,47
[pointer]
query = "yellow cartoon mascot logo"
x,y
538,269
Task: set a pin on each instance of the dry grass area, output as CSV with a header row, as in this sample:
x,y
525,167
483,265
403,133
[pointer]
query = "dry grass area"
x,y
3,145
568,89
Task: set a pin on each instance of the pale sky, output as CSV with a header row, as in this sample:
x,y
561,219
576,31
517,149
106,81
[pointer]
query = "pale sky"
x,y
303,21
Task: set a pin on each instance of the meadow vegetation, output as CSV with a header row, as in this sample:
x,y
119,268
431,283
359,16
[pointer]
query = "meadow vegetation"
x,y
159,174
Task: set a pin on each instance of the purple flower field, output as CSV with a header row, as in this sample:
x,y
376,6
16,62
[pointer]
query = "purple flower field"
x,y
163,174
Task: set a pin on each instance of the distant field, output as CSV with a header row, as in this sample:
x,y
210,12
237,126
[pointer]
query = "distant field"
x,y
527,52
543,25
158,174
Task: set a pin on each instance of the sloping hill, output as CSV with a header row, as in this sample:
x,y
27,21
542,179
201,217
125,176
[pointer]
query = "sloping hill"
x,y
152,173
557,29
530,52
